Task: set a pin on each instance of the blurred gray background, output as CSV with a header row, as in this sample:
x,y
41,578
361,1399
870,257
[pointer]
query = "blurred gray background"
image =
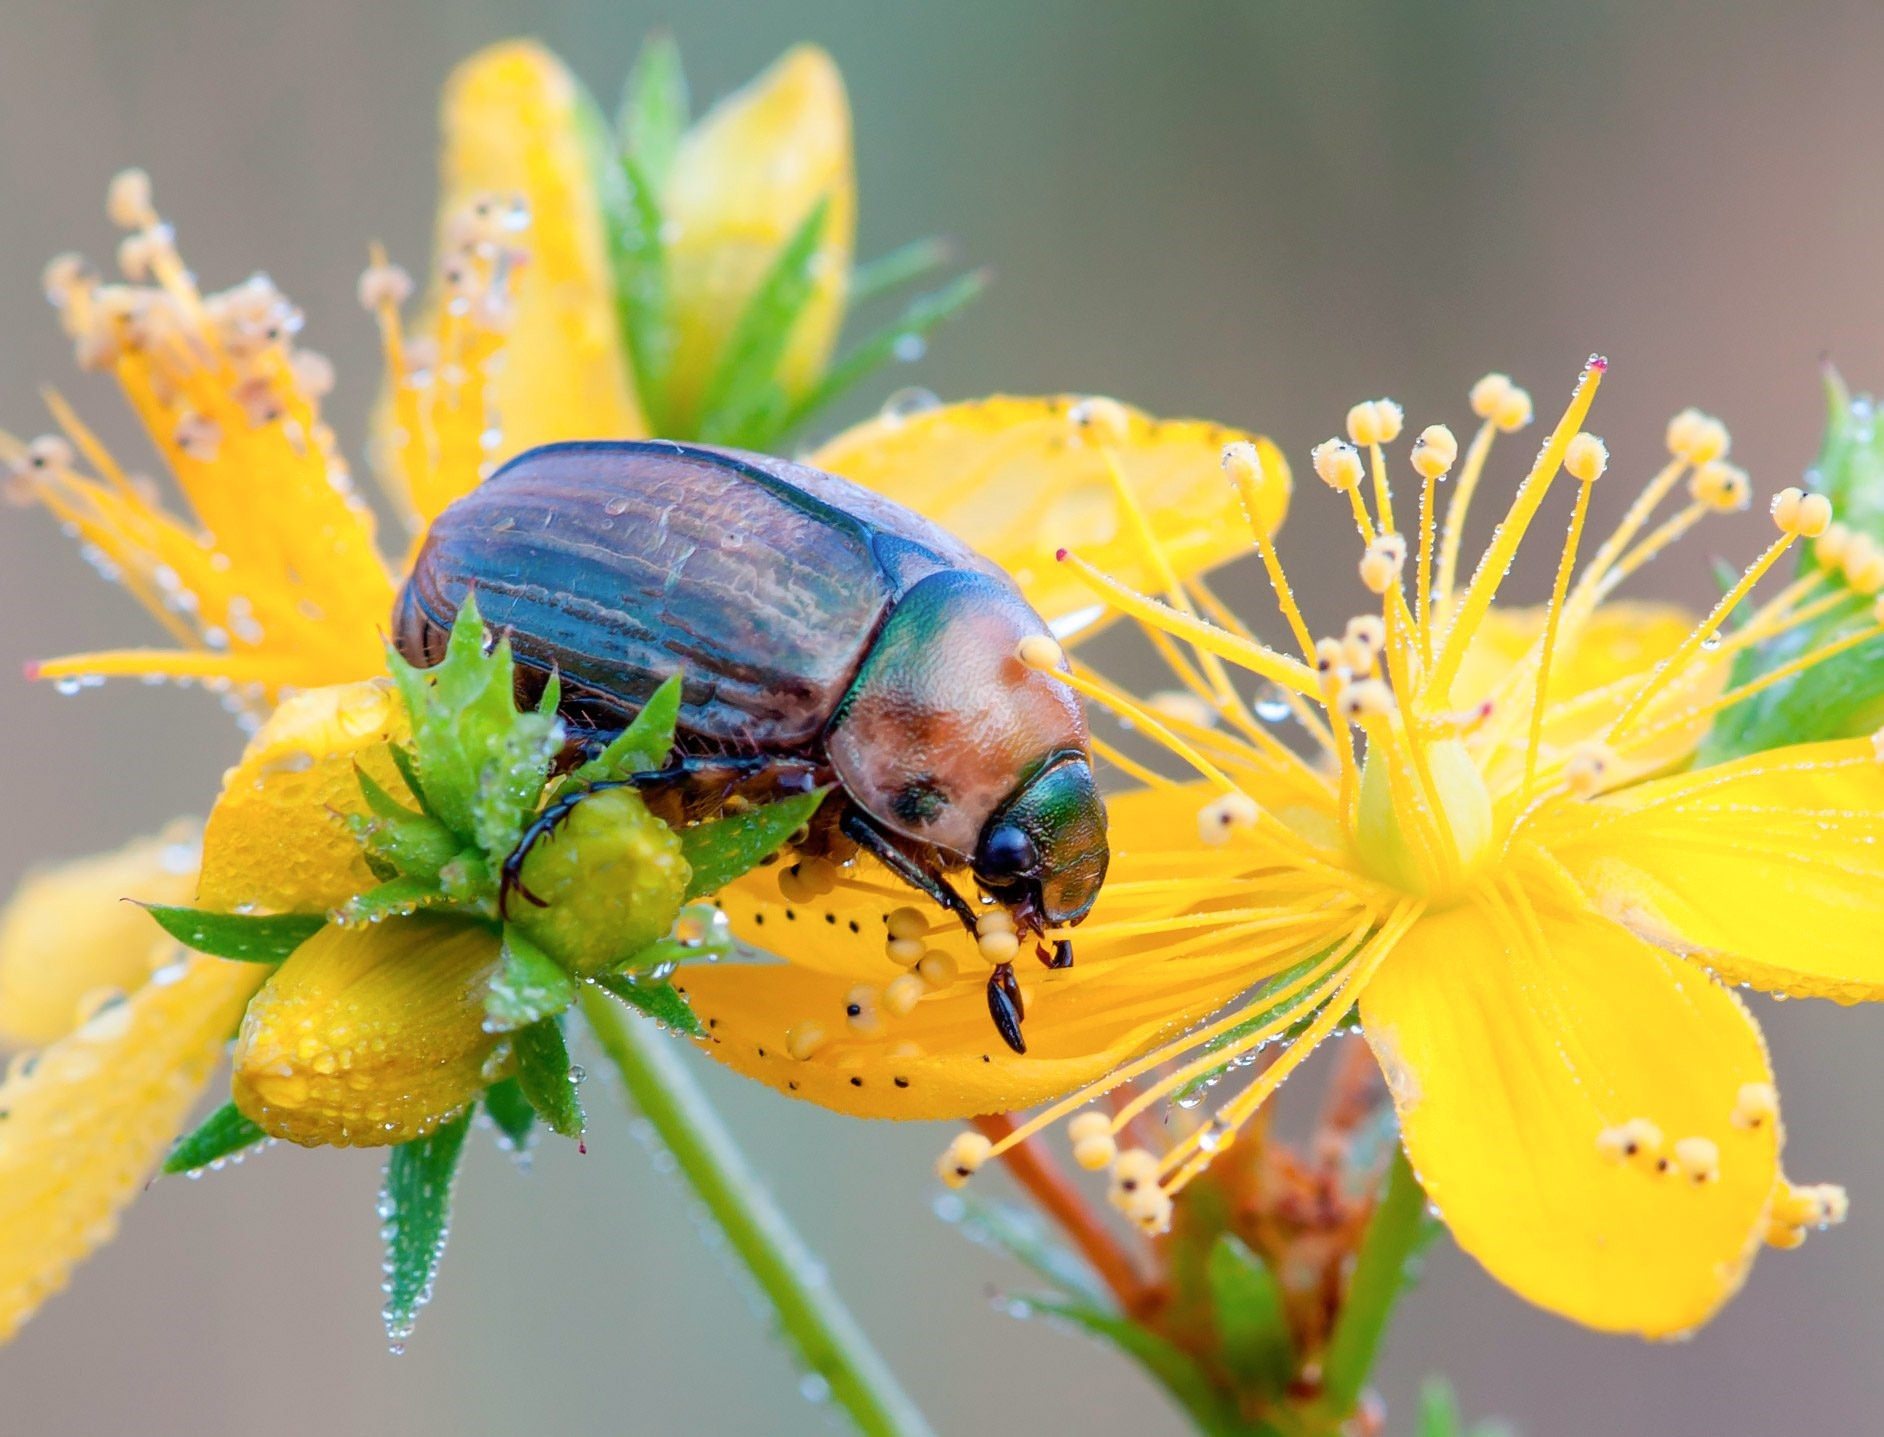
x,y
1258,212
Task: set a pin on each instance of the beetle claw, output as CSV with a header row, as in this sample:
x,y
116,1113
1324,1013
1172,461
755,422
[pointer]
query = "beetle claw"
x,y
1005,1006
1062,956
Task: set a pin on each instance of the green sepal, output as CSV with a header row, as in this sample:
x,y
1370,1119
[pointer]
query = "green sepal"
x,y
415,1203
657,998
654,108
223,1132
245,937
527,987
925,313
1024,1235
904,265
382,803
408,771
1253,1337
512,1114
643,745
415,845
543,1072
722,849
1385,1266
392,899
1174,1369
760,335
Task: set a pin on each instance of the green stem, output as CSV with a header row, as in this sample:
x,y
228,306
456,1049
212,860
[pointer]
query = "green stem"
x,y
819,1327
1400,1228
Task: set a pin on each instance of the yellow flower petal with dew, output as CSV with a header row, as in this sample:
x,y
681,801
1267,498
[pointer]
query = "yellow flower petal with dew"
x,y
369,1036
1521,1045
91,1115
744,179
67,934
516,123
1769,869
277,838
1018,478
1618,641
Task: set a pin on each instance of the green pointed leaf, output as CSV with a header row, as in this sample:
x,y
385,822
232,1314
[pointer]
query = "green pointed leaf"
x,y
659,999
416,1205
913,261
1253,1335
721,850
1174,1369
925,314
642,746
1439,1410
377,799
544,1074
746,367
408,771
510,1110
528,986
1400,1229
392,899
1027,1237
654,107
223,1132
245,937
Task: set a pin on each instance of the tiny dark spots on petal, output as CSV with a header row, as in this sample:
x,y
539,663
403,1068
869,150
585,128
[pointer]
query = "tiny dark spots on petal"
x,y
762,1052
854,1010
791,915
757,919
711,1022
901,1082
792,1084
986,1059
856,929
856,1082
831,918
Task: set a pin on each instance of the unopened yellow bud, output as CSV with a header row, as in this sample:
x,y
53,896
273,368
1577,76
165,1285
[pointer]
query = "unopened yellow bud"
x,y
1585,458
1337,464
1435,451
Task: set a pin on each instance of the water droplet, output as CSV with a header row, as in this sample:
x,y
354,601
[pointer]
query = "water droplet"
x,y
1271,706
907,403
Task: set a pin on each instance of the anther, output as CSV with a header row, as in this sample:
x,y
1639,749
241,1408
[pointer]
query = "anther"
x,y
937,969
1367,629
1832,545
1637,1138
1496,398
1225,815
994,920
1435,451
1133,1169
64,276
1375,421
1586,768
1863,565
1699,1159
1330,656
134,256
1585,458
128,200
1040,651
1381,565
384,284
1722,487
905,951
907,922
50,451
902,993
1800,513
1756,1106
804,1039
1368,698
1337,464
1106,419
1698,438
1242,463
1150,1209
862,1011
997,946
1094,1147
199,437
313,373
964,1156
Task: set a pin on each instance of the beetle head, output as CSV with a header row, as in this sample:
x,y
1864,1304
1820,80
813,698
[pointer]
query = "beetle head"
x,y
1044,850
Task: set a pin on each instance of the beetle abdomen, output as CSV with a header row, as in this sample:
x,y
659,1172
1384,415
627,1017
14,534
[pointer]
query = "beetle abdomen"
x,y
619,564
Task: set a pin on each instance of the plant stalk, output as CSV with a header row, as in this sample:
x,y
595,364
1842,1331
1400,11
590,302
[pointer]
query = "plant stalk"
x,y
820,1329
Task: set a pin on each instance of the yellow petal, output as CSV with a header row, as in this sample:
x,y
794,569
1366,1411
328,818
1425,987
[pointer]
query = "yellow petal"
x,y
1619,640
516,122
744,179
1513,1048
275,839
1019,478
68,934
91,1116
369,1036
1770,868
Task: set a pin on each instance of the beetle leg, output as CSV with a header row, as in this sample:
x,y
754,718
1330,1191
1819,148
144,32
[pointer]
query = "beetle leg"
x,y
1005,1006
1062,955
511,875
704,782
874,841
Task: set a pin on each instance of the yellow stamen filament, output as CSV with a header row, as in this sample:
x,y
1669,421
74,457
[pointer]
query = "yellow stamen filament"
x,y
1452,537
1553,617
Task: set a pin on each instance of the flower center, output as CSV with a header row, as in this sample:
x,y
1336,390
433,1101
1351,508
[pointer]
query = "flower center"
x,y
1427,833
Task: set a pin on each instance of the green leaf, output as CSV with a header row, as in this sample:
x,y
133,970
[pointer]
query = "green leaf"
x,y
913,261
416,1204
1024,1235
378,800
1439,1410
764,328
722,849
408,770
223,1132
245,937
1401,1227
659,999
528,986
510,1110
1173,1368
392,899
654,107
924,314
1253,1335
642,746
544,1074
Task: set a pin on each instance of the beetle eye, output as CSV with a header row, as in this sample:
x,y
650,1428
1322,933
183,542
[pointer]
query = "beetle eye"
x,y
1007,852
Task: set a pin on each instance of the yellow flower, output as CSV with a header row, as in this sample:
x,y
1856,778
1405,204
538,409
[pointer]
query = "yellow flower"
x,y
1513,876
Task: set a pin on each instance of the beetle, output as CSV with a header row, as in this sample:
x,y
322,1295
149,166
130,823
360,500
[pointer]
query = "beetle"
x,y
823,634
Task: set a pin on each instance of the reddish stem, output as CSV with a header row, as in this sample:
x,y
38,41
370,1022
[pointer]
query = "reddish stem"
x,y
1055,1195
